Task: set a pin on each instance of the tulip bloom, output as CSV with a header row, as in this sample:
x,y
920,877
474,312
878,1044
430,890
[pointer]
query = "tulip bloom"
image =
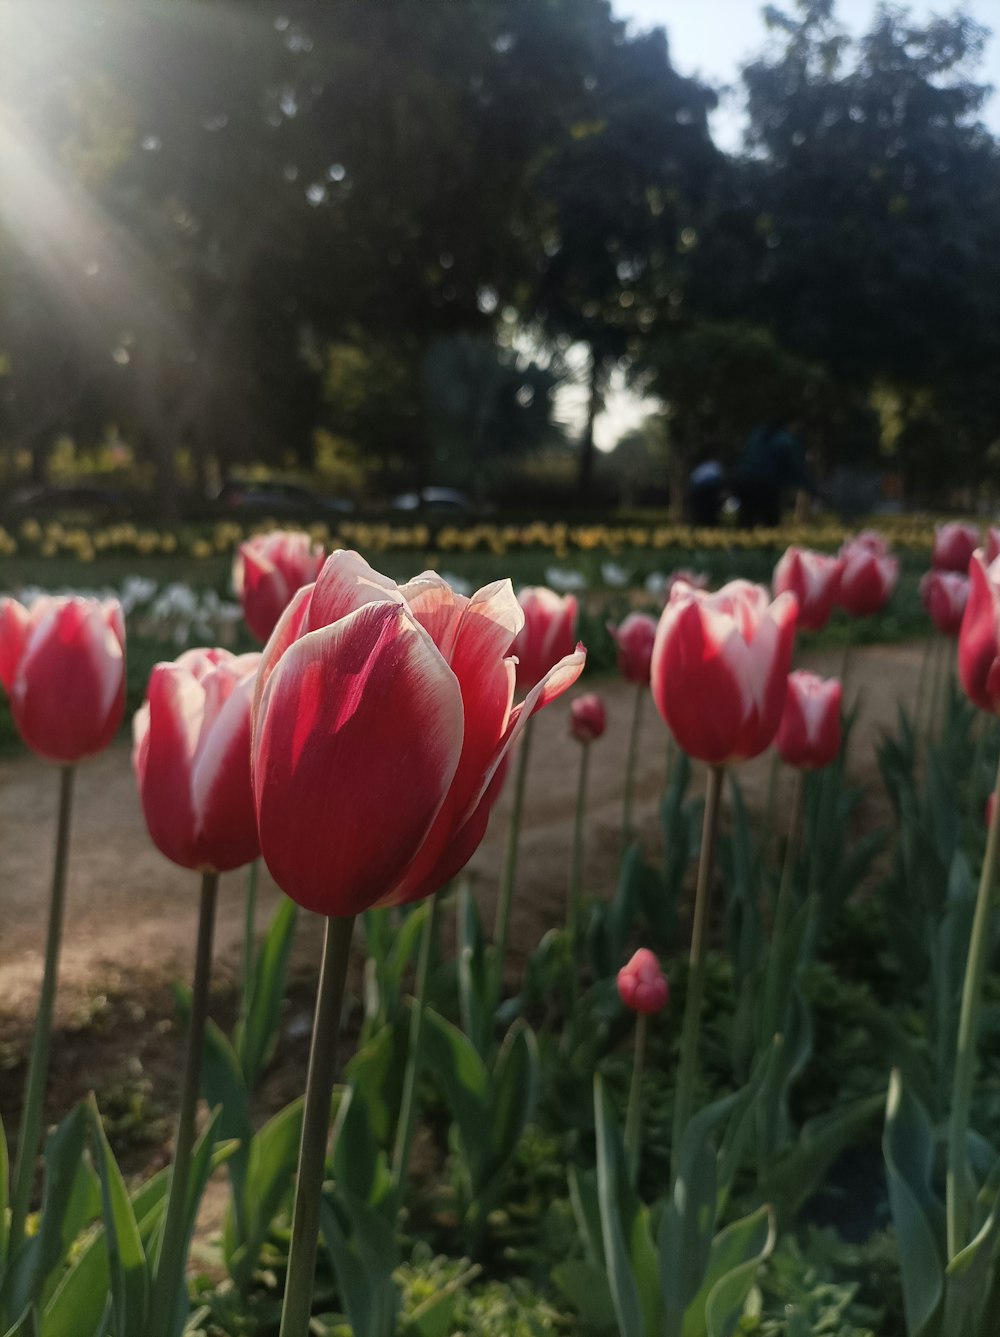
x,y
634,641
192,760
954,545
944,595
588,718
808,736
720,669
868,576
268,570
382,718
814,578
548,633
979,636
642,985
63,664
992,544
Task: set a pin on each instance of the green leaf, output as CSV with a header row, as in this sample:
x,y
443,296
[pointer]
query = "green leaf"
x,y
254,1042
616,1225
513,1088
795,1176
970,1276
586,1288
737,1252
127,1268
269,1178
358,1161
475,987
587,1210
376,1071
457,1066
908,1146
26,1325
361,1243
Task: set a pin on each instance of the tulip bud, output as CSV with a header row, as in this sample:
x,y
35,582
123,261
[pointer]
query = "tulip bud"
x,y
979,636
191,756
587,718
642,985
267,571
814,579
63,664
382,721
944,595
868,575
720,669
634,640
809,733
954,544
547,636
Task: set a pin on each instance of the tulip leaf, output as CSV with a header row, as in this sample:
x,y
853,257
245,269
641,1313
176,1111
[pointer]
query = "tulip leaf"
x,y
359,1164
269,1178
254,1041
476,989
737,1252
587,1210
4,1188
971,1274
376,1071
513,1088
586,1287
128,1271
453,1058
26,1325
361,1243
908,1145
618,1211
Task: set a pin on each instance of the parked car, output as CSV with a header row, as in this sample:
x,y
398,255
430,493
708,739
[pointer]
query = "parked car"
x,y
90,501
434,501
270,496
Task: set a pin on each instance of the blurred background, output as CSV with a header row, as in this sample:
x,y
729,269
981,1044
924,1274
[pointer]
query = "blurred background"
x,y
462,257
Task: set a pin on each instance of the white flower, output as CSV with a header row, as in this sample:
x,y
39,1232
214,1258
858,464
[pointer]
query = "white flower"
x,y
565,581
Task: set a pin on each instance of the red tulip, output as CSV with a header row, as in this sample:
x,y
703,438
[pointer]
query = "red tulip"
x,y
642,985
954,545
634,639
869,540
63,664
944,595
814,579
868,575
191,757
684,576
267,571
547,635
720,669
979,636
382,719
587,718
809,733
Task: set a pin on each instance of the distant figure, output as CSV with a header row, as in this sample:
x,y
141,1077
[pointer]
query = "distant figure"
x,y
706,486
772,459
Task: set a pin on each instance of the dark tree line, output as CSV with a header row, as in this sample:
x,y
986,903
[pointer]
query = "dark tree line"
x,y
235,230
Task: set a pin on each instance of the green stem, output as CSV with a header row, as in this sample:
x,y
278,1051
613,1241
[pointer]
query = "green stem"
x,y
576,862
171,1258
783,911
509,875
922,679
965,1059
408,1106
34,1091
633,1120
770,807
249,940
688,1067
630,767
297,1309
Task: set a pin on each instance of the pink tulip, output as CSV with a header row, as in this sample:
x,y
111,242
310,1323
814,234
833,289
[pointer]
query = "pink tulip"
x,y
809,733
979,636
63,664
191,756
868,575
642,985
587,718
992,544
814,579
634,639
944,595
720,669
382,720
547,636
954,544
698,580
869,540
267,571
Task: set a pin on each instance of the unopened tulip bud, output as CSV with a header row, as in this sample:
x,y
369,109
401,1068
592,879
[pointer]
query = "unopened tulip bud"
x,y
809,734
814,579
642,985
587,718
634,641
945,595
868,575
954,544
268,570
979,636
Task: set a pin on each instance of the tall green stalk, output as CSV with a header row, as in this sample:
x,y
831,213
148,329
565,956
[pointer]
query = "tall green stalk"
x,y
508,876
34,1092
576,859
633,1119
687,1072
783,909
171,1258
958,1213
631,762
249,939
297,1308
408,1105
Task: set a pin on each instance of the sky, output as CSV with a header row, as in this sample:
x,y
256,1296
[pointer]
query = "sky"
x,y
713,38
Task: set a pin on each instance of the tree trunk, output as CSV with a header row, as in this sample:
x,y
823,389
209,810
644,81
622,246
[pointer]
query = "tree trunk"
x,y
585,475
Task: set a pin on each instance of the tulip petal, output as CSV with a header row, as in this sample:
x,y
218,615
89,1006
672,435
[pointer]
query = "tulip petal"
x,y
345,583
15,620
288,630
221,795
166,733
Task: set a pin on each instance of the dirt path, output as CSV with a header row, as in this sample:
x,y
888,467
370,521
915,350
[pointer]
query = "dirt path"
x,y
130,918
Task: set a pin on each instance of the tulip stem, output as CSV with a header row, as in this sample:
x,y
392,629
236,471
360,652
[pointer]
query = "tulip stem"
x,y
633,1119
576,862
34,1091
630,767
965,1059
249,940
172,1256
414,1055
297,1309
509,875
688,1066
783,910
